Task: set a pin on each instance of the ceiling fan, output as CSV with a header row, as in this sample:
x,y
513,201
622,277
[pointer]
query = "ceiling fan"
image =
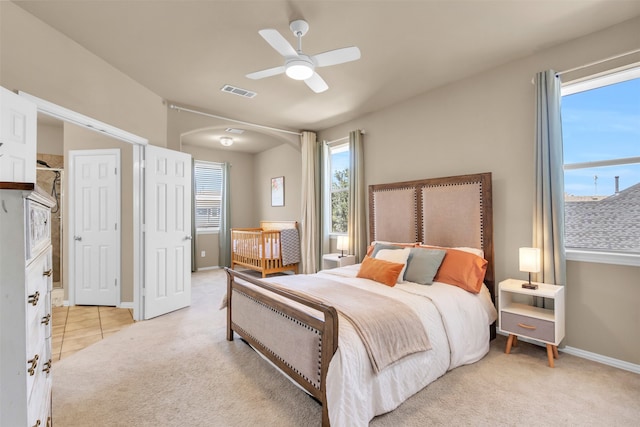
x,y
297,64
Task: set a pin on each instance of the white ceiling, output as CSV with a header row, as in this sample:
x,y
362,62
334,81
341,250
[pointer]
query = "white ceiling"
x,y
186,51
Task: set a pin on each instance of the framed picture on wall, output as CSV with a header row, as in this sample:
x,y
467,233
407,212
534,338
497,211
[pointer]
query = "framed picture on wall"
x,y
277,191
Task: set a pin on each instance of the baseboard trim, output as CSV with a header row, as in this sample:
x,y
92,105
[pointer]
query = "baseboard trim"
x,y
128,305
605,360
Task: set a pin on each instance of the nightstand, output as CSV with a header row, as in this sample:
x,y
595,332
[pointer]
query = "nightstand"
x,y
335,260
520,318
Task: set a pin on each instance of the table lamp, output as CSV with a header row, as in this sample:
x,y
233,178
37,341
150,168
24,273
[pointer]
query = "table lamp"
x,y
530,262
342,245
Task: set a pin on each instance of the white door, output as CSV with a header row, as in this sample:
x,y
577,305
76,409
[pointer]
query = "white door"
x,y
18,138
167,204
95,226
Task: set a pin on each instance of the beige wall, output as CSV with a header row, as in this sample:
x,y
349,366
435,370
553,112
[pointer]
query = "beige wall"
x,y
286,161
486,124
39,60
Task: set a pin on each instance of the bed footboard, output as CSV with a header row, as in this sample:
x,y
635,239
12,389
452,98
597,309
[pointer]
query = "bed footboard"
x,y
300,339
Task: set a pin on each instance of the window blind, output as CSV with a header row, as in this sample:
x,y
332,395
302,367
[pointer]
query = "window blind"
x,y
208,194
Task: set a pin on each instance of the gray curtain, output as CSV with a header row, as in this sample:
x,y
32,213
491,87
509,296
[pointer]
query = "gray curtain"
x,y
224,238
548,214
357,221
310,209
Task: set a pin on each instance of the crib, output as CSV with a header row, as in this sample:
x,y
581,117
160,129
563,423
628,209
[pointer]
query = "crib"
x,y
272,248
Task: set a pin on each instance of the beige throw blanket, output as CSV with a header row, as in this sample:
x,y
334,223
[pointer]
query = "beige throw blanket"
x,y
388,328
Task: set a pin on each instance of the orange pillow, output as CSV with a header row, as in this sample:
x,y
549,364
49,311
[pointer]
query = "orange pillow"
x,y
462,269
381,271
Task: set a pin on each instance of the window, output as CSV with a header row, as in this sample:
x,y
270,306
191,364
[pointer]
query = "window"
x,y
208,195
601,137
339,187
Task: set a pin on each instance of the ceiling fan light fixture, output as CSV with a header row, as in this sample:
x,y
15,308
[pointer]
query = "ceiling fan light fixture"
x,y
226,141
299,69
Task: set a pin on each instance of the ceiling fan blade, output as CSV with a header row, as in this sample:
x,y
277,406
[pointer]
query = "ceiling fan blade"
x,y
316,83
337,56
279,43
266,73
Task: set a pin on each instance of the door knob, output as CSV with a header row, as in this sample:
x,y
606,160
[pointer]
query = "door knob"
x,y
187,237
77,238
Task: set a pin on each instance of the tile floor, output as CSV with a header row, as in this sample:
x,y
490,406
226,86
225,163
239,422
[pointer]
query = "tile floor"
x,y
77,327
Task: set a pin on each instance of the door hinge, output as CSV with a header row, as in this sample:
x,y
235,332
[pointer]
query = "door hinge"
x,y
115,283
116,226
115,171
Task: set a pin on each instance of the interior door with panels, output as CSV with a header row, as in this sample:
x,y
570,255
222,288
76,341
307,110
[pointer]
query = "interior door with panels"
x,y
167,204
96,226
18,135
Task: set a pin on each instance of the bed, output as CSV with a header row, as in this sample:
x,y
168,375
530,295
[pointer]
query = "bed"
x,y
272,248
315,342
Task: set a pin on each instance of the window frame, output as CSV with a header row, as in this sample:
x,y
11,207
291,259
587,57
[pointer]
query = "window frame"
x,y
342,145
216,166
588,83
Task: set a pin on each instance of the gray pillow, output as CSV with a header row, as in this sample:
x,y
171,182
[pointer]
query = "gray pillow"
x,y
423,264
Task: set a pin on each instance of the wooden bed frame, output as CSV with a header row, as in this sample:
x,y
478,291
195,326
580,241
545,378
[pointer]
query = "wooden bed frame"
x,y
250,247
267,323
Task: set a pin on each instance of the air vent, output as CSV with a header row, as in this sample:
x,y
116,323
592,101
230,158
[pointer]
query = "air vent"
x,y
237,91
234,130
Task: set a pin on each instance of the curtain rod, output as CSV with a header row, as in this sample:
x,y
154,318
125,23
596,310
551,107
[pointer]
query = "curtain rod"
x,y
175,107
591,64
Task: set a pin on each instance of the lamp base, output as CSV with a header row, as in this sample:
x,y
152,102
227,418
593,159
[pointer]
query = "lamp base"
x,y
529,286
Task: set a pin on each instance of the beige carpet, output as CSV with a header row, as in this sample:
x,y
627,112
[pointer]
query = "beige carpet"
x,y
178,370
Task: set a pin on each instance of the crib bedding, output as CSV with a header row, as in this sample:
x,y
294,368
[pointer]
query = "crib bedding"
x,y
456,322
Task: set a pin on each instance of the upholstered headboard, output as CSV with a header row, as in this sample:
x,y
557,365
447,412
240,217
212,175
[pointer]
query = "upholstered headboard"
x,y
454,211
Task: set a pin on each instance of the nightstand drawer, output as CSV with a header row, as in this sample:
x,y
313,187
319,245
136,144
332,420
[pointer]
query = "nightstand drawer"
x,y
531,327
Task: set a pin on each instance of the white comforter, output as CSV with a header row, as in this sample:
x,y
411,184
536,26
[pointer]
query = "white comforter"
x,y
456,322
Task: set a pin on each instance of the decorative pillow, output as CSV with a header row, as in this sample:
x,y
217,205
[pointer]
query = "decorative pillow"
x,y
397,255
381,271
376,246
462,269
423,264
478,252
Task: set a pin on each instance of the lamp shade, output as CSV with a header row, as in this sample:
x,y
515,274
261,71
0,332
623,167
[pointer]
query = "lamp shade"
x,y
530,260
343,243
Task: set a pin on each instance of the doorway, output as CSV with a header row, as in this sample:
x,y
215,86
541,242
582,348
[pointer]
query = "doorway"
x,y
50,177
94,218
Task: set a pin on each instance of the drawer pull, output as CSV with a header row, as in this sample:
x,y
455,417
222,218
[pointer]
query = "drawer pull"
x,y
47,366
33,299
522,325
46,319
34,363
37,424
47,273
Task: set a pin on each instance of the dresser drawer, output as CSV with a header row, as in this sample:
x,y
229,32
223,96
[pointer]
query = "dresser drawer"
x,y
531,327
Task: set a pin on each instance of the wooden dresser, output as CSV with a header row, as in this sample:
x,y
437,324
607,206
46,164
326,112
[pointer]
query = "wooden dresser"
x,y
25,305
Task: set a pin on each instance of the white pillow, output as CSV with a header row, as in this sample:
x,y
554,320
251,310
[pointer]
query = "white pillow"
x,y
399,256
478,252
